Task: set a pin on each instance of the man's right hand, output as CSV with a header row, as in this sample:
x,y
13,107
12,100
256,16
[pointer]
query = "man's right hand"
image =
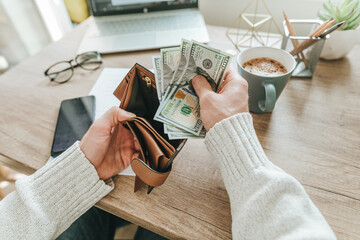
x,y
230,99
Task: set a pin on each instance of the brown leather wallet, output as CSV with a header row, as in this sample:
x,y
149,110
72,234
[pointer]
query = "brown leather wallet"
x,y
137,93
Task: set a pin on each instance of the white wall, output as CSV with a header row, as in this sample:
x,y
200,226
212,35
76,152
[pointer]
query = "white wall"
x,y
55,17
27,26
22,31
27,23
11,46
223,12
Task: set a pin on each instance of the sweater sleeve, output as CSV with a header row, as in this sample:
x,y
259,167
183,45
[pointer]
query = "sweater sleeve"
x,y
46,203
266,202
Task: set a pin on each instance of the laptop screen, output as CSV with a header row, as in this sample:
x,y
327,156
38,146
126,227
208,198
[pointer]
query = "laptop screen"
x,y
113,7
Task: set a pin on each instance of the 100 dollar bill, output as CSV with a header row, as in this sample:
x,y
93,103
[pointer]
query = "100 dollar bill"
x,y
170,58
181,106
184,56
156,61
184,52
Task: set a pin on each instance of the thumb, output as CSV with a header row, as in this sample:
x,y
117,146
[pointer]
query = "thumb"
x,y
201,85
122,114
113,116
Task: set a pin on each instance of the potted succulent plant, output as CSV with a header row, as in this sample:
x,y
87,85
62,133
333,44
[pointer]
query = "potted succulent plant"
x,y
342,41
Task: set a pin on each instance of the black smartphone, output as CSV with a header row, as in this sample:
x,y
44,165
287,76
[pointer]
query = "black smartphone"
x,y
75,117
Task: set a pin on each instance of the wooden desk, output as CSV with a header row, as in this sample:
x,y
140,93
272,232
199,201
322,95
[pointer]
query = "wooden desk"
x,y
313,134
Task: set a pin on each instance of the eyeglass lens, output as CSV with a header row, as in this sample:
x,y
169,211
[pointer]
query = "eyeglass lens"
x,y
60,72
89,60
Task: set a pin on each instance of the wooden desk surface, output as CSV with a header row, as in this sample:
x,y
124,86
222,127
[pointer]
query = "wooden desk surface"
x,y
313,134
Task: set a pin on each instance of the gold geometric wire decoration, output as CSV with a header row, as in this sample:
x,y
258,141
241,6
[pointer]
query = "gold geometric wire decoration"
x,y
250,34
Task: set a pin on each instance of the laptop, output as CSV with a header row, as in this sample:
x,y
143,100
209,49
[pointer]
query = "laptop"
x,y
130,25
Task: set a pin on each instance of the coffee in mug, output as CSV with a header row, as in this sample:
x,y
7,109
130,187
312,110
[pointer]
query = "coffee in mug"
x,y
267,71
264,66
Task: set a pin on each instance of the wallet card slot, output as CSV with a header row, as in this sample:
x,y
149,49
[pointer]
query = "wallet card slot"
x,y
138,95
166,147
138,137
157,155
144,103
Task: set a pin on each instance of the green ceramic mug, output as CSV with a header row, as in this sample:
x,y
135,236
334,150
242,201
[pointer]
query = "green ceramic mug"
x,y
265,90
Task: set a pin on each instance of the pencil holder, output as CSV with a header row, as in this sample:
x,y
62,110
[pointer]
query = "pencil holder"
x,y
304,68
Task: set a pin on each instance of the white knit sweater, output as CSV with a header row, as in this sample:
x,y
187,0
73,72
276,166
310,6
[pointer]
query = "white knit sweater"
x,y
266,203
46,203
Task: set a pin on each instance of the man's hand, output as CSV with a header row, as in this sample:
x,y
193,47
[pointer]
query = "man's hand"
x,y
230,99
108,145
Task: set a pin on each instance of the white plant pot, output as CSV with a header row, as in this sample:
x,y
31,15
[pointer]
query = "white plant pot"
x,y
4,65
339,44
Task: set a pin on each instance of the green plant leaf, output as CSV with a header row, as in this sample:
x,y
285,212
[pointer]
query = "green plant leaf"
x,y
338,15
332,7
328,8
347,7
345,3
352,5
353,15
323,15
348,11
354,22
356,5
352,26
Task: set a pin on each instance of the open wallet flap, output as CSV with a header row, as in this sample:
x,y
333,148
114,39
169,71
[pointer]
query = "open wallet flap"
x,y
137,93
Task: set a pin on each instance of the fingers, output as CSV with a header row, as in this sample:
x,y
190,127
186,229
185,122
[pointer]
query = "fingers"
x,y
122,114
232,78
135,155
201,85
113,116
223,84
229,71
228,77
136,146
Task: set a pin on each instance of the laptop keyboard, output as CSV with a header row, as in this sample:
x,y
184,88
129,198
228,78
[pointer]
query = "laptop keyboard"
x,y
149,24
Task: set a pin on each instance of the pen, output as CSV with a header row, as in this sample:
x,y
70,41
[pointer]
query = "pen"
x,y
319,31
331,29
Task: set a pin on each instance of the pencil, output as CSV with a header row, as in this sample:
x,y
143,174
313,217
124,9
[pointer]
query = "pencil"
x,y
295,42
307,43
332,29
322,28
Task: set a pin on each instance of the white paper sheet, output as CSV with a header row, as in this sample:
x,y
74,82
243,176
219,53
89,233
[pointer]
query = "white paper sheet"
x,y
103,90
104,87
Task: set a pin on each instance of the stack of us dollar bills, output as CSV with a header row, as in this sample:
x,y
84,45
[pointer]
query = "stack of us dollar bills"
x,y
175,68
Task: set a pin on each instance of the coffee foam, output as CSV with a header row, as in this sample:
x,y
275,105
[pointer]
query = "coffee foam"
x,y
264,67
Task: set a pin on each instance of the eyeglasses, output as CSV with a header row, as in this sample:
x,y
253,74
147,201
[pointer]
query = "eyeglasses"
x,y
62,72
